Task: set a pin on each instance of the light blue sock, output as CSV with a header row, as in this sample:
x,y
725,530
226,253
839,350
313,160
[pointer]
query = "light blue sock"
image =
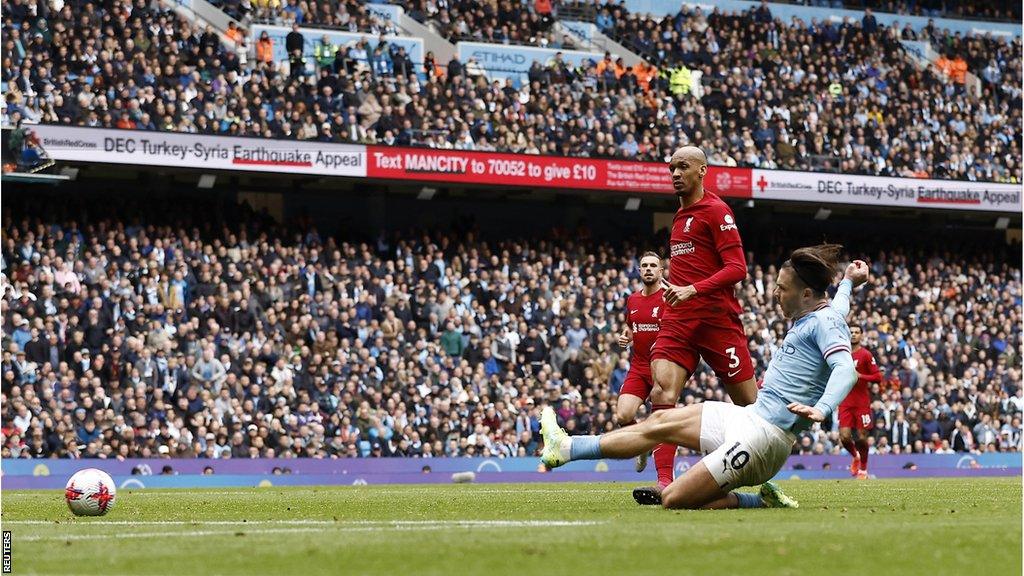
x,y
748,500
585,448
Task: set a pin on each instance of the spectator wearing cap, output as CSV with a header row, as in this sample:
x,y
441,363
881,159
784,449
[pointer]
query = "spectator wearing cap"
x,y
22,335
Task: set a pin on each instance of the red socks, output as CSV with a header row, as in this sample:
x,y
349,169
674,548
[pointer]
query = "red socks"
x,y
664,454
850,446
862,447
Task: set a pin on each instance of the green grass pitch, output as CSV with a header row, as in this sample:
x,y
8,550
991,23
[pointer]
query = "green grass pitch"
x,y
928,527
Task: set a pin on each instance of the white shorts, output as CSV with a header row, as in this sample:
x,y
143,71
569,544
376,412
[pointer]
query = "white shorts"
x,y
741,448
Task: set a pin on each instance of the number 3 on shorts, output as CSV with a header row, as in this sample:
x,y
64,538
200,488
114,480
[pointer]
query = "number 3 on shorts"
x,y
734,360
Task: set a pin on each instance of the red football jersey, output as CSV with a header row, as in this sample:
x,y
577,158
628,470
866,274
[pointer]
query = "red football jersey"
x,y
860,395
643,313
699,234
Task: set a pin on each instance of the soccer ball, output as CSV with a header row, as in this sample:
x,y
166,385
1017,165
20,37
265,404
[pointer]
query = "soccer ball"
x,y
90,492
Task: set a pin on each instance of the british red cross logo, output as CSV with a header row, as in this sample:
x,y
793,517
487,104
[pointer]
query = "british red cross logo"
x,y
102,497
762,183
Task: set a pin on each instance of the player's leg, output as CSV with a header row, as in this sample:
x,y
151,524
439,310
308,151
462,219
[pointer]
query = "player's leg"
x,y
697,488
743,393
860,441
626,408
678,426
669,378
725,349
846,424
635,391
742,450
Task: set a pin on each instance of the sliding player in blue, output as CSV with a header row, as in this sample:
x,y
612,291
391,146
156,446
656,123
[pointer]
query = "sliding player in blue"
x,y
808,376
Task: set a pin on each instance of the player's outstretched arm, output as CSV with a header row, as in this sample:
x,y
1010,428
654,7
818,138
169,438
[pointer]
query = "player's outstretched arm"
x,y
841,301
805,411
857,272
855,275
840,382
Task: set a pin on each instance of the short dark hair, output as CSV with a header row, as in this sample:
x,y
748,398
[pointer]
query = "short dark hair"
x,y
651,253
815,266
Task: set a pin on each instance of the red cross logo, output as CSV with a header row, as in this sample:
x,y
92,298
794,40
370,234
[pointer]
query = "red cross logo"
x,y
762,183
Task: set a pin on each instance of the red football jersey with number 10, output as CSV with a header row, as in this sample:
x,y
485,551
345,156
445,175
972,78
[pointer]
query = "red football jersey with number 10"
x,y
643,313
699,234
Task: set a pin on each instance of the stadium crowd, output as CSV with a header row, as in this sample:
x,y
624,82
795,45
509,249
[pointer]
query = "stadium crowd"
x,y
997,10
847,93
504,22
204,329
347,15
771,94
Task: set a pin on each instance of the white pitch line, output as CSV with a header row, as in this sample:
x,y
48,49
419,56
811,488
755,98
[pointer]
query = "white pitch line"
x,y
391,490
192,533
246,531
339,523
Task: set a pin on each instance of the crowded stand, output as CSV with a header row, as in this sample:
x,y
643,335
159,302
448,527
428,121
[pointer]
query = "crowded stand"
x,y
504,22
349,16
205,329
999,10
845,94
790,95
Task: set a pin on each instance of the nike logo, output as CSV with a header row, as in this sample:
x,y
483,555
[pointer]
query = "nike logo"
x,y
731,374
633,311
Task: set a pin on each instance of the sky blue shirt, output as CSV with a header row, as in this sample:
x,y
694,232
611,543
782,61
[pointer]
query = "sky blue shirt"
x,y
813,366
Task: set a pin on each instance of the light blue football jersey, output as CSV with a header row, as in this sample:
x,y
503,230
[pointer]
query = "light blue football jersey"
x,y
799,371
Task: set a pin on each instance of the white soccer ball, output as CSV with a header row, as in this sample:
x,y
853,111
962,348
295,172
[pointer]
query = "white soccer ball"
x,y
90,492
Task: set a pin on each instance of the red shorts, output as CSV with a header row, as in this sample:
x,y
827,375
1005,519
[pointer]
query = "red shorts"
x,y
638,383
719,341
856,417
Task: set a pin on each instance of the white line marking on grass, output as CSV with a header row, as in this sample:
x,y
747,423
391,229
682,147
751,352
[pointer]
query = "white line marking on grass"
x,y
339,523
393,489
407,526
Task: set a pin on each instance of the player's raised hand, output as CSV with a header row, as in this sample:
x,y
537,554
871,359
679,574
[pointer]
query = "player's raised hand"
x,y
809,412
625,337
857,272
675,295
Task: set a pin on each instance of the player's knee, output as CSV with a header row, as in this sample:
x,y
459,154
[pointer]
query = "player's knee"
x,y
625,413
656,418
657,426
660,395
845,434
674,499
743,393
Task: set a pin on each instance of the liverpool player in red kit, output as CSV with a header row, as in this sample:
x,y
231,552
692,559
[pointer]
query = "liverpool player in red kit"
x,y
701,319
855,419
642,322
